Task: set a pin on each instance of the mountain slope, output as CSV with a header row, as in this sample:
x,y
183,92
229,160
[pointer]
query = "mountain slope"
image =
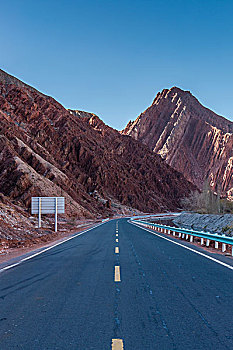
x,y
191,138
48,150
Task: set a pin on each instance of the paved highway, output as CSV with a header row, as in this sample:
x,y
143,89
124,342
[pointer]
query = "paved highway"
x,y
117,286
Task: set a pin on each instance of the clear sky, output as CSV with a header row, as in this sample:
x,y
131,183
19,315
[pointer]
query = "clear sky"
x,y
112,57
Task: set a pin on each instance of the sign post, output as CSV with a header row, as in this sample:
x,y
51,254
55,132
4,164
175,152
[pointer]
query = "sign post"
x,y
39,213
56,214
48,205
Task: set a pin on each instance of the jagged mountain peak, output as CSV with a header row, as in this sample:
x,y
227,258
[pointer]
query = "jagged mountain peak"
x,y
190,137
177,96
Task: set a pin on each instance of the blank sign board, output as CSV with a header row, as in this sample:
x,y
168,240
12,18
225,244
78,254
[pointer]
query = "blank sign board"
x,y
48,205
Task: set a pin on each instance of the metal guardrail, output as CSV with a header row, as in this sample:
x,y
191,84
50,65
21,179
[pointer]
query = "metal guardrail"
x,y
187,233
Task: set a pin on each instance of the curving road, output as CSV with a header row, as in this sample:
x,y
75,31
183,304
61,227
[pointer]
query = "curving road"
x,y
141,292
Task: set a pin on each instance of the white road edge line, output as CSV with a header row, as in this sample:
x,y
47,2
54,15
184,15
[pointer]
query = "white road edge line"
x,y
46,249
188,248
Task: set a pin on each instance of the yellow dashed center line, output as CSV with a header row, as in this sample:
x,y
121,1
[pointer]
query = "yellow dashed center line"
x,y
117,344
117,274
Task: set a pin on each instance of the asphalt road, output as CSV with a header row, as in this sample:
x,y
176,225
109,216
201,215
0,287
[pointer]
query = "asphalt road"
x,y
82,294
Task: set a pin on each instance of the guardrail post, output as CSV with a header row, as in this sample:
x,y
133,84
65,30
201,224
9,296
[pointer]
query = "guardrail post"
x,y
179,234
216,244
182,235
202,241
187,237
191,238
207,242
223,247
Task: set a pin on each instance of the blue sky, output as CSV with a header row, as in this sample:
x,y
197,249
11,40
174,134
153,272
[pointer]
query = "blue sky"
x,y
112,57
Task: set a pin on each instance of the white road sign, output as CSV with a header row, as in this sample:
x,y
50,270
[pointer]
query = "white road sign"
x,y
48,205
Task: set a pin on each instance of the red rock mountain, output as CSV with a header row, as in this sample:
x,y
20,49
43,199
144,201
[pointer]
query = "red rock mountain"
x,y
191,138
47,150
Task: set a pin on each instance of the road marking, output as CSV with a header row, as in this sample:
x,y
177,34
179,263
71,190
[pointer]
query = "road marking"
x,y
46,249
117,250
117,344
117,274
117,234
117,240
188,248
9,267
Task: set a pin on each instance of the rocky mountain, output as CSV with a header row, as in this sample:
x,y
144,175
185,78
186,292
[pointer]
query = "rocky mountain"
x,y
47,150
189,137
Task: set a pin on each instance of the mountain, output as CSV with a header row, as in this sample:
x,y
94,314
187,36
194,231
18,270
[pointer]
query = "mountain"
x,y
189,137
47,150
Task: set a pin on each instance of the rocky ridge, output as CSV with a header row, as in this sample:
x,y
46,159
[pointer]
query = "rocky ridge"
x,y
191,138
46,150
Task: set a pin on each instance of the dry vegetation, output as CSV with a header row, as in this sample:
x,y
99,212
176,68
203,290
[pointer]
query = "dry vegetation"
x,y
207,202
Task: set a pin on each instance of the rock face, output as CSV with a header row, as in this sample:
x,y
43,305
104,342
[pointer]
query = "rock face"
x,y
47,150
191,138
221,224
